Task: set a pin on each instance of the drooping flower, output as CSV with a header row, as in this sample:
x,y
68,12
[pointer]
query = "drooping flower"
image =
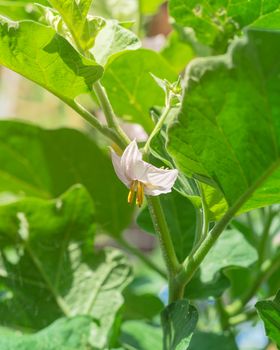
x,y
141,177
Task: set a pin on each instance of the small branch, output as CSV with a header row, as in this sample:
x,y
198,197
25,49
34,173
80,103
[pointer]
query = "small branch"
x,y
134,251
265,236
93,121
108,111
157,128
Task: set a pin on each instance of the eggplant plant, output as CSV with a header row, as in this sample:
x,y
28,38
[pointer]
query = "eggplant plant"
x,y
182,143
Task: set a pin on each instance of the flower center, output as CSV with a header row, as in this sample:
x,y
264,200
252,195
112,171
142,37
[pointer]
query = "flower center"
x,y
138,187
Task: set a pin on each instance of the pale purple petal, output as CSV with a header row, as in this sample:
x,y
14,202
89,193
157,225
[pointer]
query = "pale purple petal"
x,y
116,160
130,157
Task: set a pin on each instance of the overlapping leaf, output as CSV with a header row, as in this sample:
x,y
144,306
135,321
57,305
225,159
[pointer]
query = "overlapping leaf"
x,y
179,320
46,58
45,163
48,267
131,88
228,131
215,22
64,334
269,311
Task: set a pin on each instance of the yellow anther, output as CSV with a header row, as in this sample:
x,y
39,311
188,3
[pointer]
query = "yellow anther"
x,y
131,193
140,194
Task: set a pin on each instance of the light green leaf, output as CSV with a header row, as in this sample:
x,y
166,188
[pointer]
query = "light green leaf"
x,y
83,27
216,22
207,341
228,132
63,334
269,311
150,7
48,268
20,9
141,336
231,249
46,58
131,88
113,39
180,216
177,52
45,163
179,320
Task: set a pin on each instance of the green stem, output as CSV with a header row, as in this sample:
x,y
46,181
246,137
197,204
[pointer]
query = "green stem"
x,y
93,121
192,262
222,314
242,317
134,251
108,112
157,128
139,19
265,236
176,290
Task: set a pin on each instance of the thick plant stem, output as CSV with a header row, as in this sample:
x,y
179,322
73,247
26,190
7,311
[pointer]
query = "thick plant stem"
x,y
175,289
108,111
135,251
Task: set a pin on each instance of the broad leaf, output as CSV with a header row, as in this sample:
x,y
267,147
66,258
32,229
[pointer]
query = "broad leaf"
x,y
63,334
49,269
215,22
113,39
207,341
131,88
45,163
228,132
179,320
231,249
269,311
180,216
46,58
177,52
141,336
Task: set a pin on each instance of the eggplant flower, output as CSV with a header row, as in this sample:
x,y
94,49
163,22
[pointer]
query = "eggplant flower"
x,y
141,177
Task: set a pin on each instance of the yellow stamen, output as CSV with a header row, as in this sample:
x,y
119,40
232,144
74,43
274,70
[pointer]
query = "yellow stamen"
x,y
140,194
131,193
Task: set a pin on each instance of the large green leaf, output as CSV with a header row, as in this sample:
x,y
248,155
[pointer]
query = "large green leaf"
x,y
45,163
131,88
228,131
215,22
269,311
63,334
18,10
179,320
47,253
48,267
180,216
207,341
46,58
231,249
112,40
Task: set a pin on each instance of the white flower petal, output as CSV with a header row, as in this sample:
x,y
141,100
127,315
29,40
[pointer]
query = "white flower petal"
x,y
116,160
156,191
130,157
154,176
